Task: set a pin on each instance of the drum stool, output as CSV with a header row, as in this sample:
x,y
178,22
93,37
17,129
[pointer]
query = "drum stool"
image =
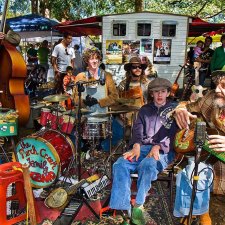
x,y
8,176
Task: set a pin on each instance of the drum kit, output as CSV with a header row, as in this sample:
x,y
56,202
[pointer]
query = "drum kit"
x,y
50,152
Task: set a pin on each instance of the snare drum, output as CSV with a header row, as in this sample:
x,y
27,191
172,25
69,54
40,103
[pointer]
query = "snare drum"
x,y
47,152
95,129
45,115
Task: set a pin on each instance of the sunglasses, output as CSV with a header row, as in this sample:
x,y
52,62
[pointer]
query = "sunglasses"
x,y
66,51
136,67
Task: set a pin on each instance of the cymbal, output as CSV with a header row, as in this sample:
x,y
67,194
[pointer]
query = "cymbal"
x,y
125,100
108,113
85,111
55,98
127,108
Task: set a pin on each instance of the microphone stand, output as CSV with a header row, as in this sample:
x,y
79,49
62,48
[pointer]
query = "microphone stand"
x,y
200,136
81,89
195,180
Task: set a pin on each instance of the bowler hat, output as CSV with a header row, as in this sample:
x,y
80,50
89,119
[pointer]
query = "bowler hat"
x,y
134,60
159,83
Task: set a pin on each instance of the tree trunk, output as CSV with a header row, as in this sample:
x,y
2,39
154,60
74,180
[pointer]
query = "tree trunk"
x,y
138,5
34,6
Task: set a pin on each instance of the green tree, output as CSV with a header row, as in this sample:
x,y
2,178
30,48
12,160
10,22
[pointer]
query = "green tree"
x,y
211,10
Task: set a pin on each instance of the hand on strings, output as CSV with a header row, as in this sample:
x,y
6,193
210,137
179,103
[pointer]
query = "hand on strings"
x,y
182,117
154,152
217,143
90,101
133,153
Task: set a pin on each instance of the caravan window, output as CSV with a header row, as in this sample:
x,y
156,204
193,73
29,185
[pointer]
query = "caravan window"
x,y
169,28
143,28
119,28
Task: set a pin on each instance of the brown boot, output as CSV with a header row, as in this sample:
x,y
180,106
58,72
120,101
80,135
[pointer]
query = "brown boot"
x,y
185,222
205,219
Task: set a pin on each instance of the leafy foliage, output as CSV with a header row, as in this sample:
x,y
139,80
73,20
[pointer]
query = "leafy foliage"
x,y
211,10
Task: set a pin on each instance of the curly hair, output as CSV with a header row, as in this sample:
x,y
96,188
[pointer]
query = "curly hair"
x,y
129,76
88,52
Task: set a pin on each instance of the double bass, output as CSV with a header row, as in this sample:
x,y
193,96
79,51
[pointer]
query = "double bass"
x,y
13,73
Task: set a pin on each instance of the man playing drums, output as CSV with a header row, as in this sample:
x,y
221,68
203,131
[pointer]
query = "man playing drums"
x,y
100,94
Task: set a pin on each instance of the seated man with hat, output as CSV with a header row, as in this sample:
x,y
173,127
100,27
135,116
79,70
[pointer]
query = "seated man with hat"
x,y
211,107
151,150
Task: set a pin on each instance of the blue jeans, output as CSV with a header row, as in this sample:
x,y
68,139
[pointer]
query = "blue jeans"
x,y
202,76
184,190
147,169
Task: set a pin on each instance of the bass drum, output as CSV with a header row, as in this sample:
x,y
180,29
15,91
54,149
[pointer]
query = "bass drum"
x,y
48,153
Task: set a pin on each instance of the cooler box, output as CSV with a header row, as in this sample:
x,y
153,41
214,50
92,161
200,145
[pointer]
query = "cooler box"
x,y
8,127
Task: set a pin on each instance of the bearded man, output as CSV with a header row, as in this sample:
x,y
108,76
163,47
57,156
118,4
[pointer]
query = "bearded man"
x,y
212,109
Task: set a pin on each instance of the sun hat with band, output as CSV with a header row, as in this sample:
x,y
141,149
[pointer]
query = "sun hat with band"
x,y
158,84
134,60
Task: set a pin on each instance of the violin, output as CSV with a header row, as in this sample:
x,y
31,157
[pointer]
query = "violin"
x,y
175,85
13,73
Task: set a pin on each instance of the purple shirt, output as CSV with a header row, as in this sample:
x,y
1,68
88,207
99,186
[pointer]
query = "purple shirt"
x,y
153,126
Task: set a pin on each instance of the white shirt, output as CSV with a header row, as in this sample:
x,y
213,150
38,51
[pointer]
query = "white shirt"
x,y
64,56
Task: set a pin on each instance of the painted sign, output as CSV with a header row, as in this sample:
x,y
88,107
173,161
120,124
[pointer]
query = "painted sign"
x,y
114,51
42,158
162,51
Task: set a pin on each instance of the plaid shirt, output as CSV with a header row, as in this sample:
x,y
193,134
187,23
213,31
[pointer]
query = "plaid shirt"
x,y
213,116
209,112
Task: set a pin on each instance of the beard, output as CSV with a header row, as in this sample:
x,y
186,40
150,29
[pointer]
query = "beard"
x,y
219,101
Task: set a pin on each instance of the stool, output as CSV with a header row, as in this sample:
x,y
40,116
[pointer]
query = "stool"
x,y
8,176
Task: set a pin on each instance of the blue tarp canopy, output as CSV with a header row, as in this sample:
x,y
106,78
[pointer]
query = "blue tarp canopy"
x,y
32,25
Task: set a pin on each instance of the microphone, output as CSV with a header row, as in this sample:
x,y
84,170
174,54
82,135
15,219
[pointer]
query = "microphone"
x,y
200,133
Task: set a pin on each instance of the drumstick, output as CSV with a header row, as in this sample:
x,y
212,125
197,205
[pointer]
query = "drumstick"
x,y
29,194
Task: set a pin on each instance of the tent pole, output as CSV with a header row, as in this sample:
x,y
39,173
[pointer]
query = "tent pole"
x,y
51,39
81,50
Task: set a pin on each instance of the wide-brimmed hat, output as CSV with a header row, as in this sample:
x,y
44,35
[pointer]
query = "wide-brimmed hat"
x,y
159,83
134,60
13,37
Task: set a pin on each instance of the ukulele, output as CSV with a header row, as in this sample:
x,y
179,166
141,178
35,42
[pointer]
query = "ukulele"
x,y
175,85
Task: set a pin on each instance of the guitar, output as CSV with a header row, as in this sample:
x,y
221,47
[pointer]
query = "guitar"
x,y
175,85
184,143
13,73
197,92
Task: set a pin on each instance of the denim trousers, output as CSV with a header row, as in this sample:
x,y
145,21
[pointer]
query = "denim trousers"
x,y
184,190
147,169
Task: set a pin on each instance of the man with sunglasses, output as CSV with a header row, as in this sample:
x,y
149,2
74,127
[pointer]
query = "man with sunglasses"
x,y
133,89
212,109
62,56
135,84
